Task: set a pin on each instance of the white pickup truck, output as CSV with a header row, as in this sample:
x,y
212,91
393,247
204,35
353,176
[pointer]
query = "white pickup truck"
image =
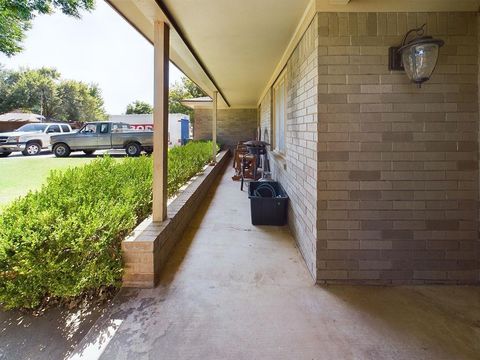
x,y
30,139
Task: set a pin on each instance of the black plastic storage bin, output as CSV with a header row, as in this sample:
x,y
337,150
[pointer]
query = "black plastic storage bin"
x,y
265,209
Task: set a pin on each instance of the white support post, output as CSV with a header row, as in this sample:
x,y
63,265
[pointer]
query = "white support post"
x,y
214,127
160,120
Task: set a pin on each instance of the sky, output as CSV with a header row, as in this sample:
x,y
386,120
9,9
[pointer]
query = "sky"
x,y
100,48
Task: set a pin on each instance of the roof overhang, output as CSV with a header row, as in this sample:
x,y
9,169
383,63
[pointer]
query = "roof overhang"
x,y
198,103
21,117
239,48
227,46
142,14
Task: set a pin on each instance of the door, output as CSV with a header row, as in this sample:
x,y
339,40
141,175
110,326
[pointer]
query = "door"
x,y
86,138
104,140
51,130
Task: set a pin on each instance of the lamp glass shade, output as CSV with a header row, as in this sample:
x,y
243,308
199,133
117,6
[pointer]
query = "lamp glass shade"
x,y
419,61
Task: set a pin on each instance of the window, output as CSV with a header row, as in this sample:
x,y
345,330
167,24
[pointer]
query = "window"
x,y
32,128
279,114
104,129
54,129
89,129
65,128
119,127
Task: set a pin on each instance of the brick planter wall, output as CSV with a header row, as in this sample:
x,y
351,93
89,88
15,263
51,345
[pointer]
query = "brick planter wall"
x,y
146,250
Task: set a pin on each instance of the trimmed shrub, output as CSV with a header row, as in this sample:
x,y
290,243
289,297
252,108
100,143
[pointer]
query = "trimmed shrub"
x,y
186,161
64,240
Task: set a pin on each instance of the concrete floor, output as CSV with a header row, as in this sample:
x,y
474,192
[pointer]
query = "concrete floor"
x,y
235,291
52,335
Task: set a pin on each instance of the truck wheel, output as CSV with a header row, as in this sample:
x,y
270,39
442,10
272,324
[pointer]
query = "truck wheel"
x,y
32,149
133,149
61,150
88,152
5,153
148,151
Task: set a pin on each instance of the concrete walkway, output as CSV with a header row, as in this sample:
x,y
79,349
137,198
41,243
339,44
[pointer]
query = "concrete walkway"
x,y
52,335
235,291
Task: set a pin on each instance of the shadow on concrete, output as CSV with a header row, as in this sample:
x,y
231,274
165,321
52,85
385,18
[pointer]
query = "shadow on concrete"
x,y
50,336
440,320
93,342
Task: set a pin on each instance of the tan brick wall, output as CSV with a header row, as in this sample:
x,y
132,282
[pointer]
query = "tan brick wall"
x,y
397,165
297,171
233,125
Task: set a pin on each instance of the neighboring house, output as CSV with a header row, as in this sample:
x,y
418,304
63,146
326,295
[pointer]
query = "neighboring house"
x,y
13,120
233,125
178,125
382,175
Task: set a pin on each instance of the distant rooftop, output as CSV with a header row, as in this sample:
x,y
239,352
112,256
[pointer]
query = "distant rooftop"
x,y
21,117
198,103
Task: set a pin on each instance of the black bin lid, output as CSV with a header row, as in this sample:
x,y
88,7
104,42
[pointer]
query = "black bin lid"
x,y
258,143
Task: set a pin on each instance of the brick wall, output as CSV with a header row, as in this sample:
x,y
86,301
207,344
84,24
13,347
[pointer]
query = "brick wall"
x,y
297,171
397,165
233,125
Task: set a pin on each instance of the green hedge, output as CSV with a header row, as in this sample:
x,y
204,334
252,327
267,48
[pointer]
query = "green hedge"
x,y
64,240
186,161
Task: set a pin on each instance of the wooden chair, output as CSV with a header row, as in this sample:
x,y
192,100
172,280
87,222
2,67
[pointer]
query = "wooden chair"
x,y
240,151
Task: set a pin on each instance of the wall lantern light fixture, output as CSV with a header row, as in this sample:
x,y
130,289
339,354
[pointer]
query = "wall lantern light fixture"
x,y
417,55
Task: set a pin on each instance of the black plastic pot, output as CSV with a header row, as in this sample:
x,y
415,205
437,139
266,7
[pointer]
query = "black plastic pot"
x,y
268,203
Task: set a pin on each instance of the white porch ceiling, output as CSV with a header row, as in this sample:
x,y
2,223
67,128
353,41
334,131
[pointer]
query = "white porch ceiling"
x,y
239,41
238,46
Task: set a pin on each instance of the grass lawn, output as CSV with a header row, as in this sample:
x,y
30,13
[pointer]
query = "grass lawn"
x,y
19,175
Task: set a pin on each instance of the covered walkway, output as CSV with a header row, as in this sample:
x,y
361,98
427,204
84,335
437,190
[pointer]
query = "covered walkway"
x,y
235,291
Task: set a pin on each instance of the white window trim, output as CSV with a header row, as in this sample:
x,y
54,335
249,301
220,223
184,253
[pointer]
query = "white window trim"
x,y
282,80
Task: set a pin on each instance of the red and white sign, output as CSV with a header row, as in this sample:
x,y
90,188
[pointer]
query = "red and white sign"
x,y
142,126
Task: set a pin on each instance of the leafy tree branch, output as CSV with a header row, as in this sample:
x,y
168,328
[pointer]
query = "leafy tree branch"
x,y
16,17
44,92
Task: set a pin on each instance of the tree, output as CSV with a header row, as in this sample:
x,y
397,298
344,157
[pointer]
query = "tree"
x,y
186,89
16,17
43,92
32,90
79,101
139,107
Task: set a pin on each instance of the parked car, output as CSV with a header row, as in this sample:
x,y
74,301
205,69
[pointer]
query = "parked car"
x,y
103,136
30,139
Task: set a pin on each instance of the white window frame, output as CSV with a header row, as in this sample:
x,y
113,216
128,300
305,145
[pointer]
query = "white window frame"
x,y
280,114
